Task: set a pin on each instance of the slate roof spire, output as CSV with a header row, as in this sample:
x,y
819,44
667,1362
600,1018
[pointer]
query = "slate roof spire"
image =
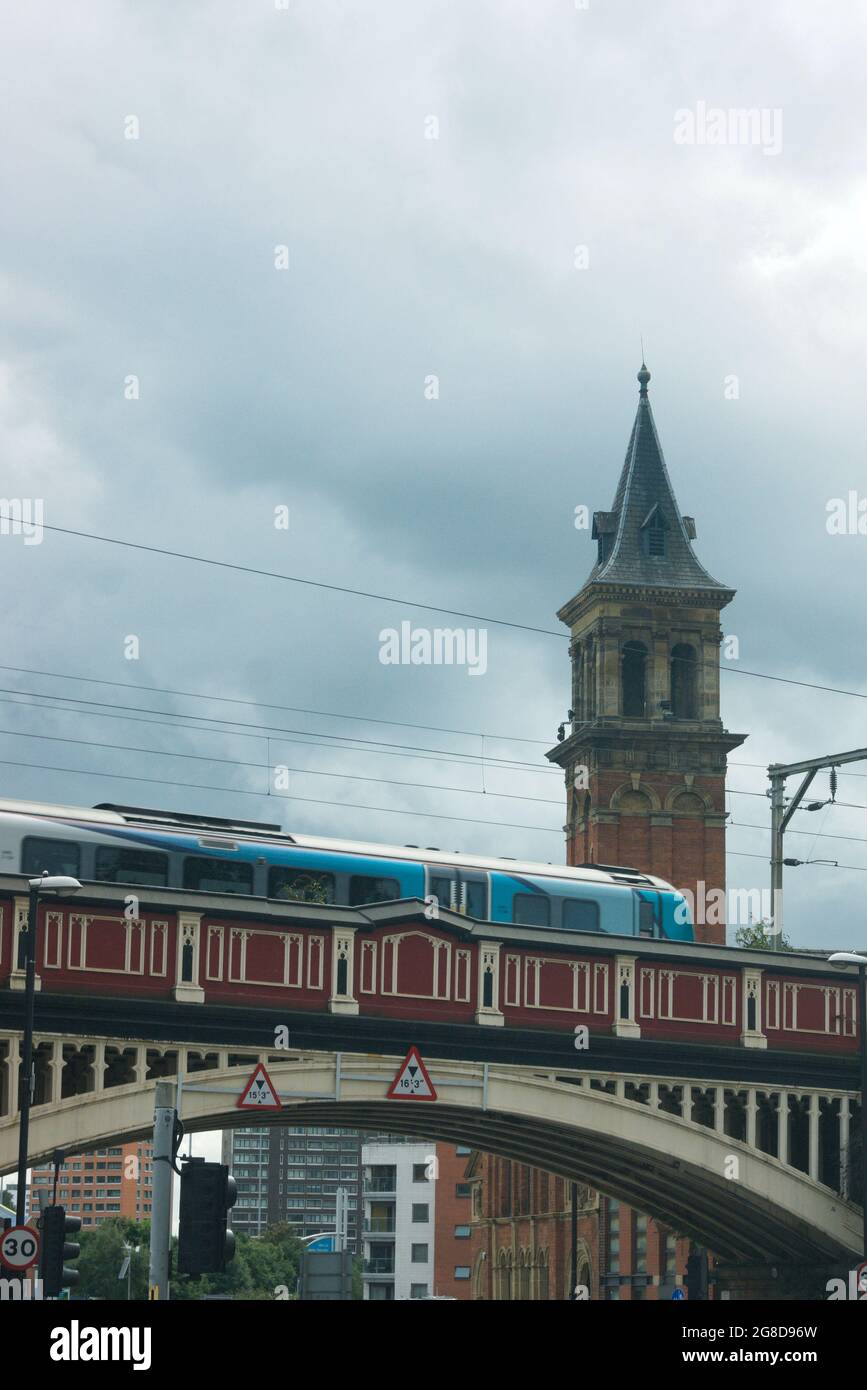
x,y
644,539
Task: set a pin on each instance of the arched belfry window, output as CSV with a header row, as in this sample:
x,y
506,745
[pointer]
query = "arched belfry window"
x,y
684,700
634,679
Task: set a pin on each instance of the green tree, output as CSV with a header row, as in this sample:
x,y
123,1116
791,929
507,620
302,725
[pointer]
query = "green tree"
x,y
262,1265
758,936
103,1254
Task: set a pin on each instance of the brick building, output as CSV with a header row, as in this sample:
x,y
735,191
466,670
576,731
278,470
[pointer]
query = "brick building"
x,y
645,762
100,1185
645,769
521,1232
453,1245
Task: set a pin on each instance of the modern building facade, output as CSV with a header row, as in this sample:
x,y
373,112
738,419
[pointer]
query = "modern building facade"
x,y
291,1173
399,1203
100,1185
417,1231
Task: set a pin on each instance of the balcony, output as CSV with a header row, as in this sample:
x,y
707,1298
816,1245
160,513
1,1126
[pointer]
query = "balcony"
x,y
379,1268
379,1225
379,1187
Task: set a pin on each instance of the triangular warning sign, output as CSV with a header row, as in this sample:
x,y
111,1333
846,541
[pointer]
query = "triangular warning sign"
x,y
412,1081
260,1093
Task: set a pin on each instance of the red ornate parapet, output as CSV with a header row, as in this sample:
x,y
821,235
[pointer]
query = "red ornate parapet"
x,y
392,960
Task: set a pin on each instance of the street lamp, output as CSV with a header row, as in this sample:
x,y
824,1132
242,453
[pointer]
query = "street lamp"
x,y
840,959
56,885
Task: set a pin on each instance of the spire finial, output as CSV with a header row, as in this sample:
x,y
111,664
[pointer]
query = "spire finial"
x,y
643,376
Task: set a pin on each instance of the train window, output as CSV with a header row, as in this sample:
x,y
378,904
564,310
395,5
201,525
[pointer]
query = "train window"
x,y
217,875
57,856
301,885
132,866
444,890
646,918
580,915
531,911
476,899
365,889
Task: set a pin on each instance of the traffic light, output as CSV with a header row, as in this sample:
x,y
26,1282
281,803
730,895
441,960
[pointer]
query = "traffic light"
x,y
696,1274
205,1245
56,1250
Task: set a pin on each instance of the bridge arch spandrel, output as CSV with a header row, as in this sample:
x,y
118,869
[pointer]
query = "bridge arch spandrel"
x,y
673,1168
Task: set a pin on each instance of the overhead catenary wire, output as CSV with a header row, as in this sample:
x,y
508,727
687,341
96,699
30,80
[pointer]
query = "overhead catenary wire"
x,y
262,767
244,791
349,805
412,603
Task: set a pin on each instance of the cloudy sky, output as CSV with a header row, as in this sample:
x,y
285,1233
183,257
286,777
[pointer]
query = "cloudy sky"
x,y
258,127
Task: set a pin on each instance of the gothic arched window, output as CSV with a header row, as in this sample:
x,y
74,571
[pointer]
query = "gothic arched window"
x,y
683,682
633,679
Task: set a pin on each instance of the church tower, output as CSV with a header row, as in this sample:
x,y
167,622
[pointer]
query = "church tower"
x,y
645,762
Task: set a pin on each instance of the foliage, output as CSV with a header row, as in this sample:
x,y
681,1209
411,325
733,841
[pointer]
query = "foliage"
x,y
758,936
103,1254
262,1265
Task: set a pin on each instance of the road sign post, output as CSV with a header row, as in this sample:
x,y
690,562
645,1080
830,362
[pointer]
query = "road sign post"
x,y
19,1248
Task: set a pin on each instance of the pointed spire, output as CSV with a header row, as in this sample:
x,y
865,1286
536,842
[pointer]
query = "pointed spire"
x,y
644,539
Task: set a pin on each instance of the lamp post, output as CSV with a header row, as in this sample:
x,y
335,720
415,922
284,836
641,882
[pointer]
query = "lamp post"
x,y
840,959
49,886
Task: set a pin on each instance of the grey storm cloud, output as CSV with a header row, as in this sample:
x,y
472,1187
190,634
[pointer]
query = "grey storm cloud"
x,y
411,257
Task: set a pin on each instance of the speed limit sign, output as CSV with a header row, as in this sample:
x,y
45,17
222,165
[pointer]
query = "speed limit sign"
x,y
19,1247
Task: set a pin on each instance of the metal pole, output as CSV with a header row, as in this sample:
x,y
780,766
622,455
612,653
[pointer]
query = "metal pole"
x,y
862,1001
574,1260
26,1082
777,810
161,1214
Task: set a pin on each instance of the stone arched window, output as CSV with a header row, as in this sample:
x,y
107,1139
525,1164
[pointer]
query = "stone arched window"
x,y
504,1276
524,1271
479,1278
633,680
684,697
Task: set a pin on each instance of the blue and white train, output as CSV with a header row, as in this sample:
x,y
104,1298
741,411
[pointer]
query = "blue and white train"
x,y
207,854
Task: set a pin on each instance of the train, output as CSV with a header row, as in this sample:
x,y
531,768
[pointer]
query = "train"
x,y
133,845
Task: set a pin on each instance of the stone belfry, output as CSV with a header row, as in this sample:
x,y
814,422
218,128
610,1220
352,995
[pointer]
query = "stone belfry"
x,y
645,762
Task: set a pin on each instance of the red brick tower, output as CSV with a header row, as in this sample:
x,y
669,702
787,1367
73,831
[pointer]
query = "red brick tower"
x,y
645,762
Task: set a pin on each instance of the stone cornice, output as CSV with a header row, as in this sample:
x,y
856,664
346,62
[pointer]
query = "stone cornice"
x,y
591,594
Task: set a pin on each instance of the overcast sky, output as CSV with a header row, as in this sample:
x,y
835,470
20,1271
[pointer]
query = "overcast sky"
x,y
411,257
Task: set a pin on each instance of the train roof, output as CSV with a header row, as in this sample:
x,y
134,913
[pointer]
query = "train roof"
x,y
110,814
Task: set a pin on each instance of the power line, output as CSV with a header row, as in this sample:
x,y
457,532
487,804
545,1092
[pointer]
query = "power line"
x,y
818,835
743,854
348,805
265,729
736,763
411,603
313,801
267,767
327,714
459,760
297,579
263,704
